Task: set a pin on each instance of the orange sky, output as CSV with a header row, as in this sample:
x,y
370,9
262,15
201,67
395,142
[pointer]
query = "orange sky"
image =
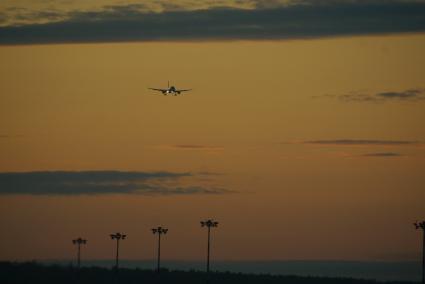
x,y
253,109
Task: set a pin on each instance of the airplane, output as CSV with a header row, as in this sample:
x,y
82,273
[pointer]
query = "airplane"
x,y
170,90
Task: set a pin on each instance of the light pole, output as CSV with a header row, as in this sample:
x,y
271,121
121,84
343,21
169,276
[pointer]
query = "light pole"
x,y
421,226
159,231
118,237
209,224
79,242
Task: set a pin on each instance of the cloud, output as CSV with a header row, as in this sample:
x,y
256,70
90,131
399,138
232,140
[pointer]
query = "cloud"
x,y
99,182
300,19
411,95
196,147
209,149
361,142
406,95
382,155
380,146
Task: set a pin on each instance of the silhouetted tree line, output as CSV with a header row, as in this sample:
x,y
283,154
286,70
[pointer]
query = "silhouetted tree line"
x,y
32,272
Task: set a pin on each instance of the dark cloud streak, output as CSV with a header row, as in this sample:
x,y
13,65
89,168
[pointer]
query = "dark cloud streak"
x,y
406,95
411,95
361,142
196,147
307,19
382,155
64,183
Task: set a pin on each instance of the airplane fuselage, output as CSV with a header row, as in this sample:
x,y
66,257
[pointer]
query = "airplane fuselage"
x,y
171,91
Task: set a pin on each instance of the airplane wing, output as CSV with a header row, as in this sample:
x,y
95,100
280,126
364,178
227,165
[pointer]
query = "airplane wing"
x,y
161,90
184,90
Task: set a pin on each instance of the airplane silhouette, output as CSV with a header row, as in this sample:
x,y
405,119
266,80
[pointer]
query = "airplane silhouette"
x,y
170,90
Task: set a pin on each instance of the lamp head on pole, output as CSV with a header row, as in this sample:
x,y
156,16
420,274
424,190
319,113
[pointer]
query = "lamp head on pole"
x,y
79,241
419,225
118,236
209,223
159,230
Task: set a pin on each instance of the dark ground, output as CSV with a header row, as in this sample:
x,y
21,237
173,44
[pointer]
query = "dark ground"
x,y
32,272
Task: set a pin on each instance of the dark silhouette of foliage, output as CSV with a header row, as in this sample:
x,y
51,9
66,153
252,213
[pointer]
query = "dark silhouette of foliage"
x,y
32,273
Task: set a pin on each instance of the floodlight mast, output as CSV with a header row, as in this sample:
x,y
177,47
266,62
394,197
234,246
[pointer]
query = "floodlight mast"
x,y
118,237
421,226
209,224
159,231
79,242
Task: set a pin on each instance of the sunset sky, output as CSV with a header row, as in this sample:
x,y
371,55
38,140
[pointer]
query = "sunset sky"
x,y
303,134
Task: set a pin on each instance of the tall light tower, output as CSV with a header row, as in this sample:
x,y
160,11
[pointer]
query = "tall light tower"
x,y
79,242
159,231
421,226
118,237
209,224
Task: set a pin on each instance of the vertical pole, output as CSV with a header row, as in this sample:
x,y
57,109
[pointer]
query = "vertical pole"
x,y
159,251
208,251
423,256
78,258
116,260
